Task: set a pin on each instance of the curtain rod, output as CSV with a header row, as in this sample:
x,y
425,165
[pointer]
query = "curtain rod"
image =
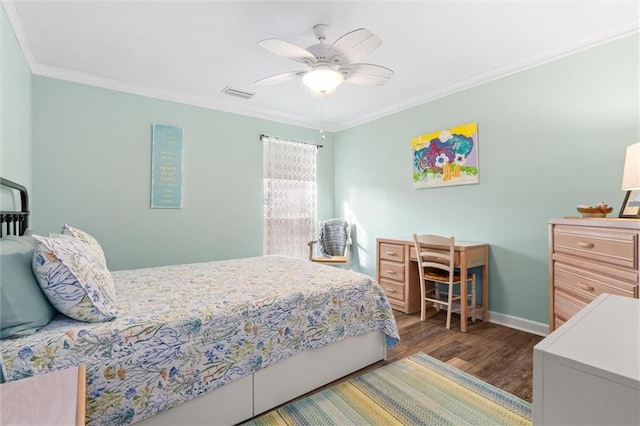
x,y
306,143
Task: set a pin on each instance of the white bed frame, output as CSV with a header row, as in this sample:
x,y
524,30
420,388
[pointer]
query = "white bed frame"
x,y
265,389
272,386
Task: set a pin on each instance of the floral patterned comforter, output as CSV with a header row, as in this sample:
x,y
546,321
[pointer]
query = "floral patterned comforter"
x,y
184,330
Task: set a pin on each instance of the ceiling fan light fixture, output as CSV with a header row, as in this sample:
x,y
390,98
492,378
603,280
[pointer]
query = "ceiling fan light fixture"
x,y
323,79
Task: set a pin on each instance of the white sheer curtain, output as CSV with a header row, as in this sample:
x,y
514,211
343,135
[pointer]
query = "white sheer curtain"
x,y
289,197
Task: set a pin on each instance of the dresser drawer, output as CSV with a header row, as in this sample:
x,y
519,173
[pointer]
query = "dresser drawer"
x,y
392,270
619,248
566,305
588,285
392,252
394,290
601,268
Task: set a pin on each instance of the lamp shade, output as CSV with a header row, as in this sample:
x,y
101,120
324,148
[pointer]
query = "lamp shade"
x,y
322,79
631,175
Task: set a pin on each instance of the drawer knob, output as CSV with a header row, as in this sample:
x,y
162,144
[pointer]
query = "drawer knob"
x,y
389,271
585,286
392,253
585,245
390,290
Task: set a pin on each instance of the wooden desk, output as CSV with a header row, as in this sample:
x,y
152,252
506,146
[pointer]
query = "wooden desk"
x,y
397,273
56,398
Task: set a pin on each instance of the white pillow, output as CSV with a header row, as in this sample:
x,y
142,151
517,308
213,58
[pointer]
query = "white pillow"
x,y
74,279
91,241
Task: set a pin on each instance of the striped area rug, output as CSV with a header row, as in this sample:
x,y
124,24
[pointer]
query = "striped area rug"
x,y
419,390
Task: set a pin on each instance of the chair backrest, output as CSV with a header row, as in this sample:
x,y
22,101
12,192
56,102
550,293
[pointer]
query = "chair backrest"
x,y
435,252
334,237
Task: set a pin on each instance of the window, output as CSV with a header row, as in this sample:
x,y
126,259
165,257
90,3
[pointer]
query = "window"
x,y
290,192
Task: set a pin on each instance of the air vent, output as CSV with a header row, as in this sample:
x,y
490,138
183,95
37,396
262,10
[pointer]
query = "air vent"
x,y
237,93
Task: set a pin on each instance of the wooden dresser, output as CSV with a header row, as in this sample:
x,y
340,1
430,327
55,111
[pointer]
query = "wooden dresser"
x,y
589,257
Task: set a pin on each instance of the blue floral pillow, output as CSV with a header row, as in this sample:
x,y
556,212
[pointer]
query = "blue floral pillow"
x,y
74,278
88,239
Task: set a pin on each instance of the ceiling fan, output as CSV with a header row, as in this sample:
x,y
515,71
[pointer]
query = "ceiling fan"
x,y
330,65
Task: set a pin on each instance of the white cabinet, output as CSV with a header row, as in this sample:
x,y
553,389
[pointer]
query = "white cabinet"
x,y
588,370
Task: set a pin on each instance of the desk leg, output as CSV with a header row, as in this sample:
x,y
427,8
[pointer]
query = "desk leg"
x,y
463,291
485,287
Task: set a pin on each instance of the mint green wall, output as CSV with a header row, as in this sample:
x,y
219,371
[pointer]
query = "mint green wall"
x,y
92,169
15,124
550,138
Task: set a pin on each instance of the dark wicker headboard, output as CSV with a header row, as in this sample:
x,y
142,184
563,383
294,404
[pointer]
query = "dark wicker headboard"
x,y
15,222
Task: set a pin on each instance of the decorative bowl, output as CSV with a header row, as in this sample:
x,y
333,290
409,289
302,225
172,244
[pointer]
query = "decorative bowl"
x,y
595,211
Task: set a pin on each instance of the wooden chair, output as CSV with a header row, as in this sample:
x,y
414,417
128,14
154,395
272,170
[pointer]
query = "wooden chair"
x,y
436,264
334,243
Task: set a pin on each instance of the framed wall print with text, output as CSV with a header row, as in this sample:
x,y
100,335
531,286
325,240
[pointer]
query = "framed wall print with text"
x,y
631,205
166,167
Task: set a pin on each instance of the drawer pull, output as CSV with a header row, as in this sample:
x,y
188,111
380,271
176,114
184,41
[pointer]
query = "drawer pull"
x,y
585,245
390,290
389,271
391,253
585,286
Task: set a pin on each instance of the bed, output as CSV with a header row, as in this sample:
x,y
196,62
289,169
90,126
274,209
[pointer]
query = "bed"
x,y
211,343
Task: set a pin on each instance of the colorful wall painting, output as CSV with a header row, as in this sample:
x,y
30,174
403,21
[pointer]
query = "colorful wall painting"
x,y
446,157
166,167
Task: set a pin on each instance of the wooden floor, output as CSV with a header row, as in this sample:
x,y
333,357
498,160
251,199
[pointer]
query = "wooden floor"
x,y
496,354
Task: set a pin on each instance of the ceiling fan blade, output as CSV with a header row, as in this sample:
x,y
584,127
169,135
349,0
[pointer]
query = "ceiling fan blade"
x,y
366,74
288,50
353,46
279,78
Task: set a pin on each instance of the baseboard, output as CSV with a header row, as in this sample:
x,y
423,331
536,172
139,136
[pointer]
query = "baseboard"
x,y
517,323
522,324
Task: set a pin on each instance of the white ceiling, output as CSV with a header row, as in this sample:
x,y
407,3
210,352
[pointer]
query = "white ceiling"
x,y
189,51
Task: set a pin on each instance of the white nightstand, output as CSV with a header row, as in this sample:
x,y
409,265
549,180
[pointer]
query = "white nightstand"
x,y
56,398
588,370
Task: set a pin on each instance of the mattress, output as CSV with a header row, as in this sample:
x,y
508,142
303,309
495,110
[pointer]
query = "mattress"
x,y
185,330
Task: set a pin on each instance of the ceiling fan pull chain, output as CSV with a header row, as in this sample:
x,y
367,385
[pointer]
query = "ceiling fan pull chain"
x,y
322,119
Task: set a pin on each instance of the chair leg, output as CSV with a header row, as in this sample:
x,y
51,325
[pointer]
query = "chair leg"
x,y
449,307
436,292
423,302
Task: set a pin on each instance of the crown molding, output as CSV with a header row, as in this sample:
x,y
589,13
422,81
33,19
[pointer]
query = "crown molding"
x,y
120,86
167,95
624,29
21,36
